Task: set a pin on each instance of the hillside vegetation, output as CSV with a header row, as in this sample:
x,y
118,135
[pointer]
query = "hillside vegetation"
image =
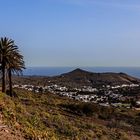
x,y
50,117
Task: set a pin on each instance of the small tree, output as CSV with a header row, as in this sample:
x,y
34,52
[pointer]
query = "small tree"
x,y
133,102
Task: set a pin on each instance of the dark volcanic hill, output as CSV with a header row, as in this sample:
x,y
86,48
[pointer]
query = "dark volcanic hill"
x,y
79,77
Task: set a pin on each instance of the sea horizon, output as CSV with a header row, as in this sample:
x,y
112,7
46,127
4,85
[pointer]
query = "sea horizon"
x,y
54,71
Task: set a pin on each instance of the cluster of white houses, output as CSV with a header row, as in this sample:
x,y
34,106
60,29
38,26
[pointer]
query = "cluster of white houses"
x,y
107,98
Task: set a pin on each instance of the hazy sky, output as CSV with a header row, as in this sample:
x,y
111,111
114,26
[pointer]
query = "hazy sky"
x,y
74,32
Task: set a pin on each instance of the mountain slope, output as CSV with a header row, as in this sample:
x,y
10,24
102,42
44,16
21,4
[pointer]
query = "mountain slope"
x,y
79,77
7,132
50,117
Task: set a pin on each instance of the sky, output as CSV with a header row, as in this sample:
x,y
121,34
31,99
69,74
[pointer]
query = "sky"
x,y
74,32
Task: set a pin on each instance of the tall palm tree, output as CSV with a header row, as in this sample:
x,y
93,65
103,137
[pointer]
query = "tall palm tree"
x,y
10,59
15,66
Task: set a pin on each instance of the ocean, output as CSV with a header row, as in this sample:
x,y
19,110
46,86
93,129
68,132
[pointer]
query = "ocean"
x,y
53,71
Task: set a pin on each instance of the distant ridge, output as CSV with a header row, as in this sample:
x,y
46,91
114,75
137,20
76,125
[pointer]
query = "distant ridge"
x,y
77,71
79,77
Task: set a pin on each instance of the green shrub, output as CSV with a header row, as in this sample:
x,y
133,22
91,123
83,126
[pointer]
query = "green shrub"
x,y
81,108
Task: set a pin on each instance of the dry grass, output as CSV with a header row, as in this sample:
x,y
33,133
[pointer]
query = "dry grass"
x,y
48,116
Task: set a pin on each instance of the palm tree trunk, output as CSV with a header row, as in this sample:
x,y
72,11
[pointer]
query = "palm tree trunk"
x,y
3,79
10,83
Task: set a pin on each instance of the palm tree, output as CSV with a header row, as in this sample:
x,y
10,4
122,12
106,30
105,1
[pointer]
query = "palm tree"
x,y
16,65
10,60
